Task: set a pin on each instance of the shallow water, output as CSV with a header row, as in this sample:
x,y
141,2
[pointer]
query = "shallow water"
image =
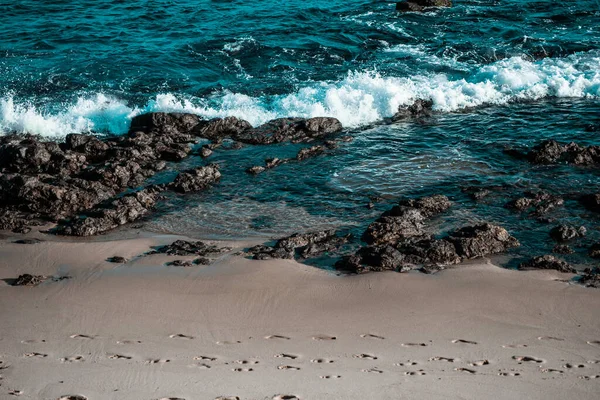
x,y
501,74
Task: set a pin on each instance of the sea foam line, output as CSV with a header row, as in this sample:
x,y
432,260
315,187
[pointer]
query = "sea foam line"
x,y
360,98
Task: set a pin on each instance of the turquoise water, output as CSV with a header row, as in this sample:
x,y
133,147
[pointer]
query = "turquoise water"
x,y
500,73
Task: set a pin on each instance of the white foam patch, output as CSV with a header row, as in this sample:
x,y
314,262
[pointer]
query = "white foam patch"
x,y
360,98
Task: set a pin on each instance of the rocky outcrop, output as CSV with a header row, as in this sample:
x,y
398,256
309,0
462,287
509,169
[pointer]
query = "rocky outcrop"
x,y
220,128
195,179
29,280
536,203
553,152
564,233
300,246
420,5
547,262
419,109
590,277
186,248
482,240
295,130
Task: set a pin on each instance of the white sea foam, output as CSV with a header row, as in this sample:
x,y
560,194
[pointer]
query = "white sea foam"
x,y
358,99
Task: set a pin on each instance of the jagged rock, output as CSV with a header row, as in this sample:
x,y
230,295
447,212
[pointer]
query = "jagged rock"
x,y
431,252
541,202
29,280
219,128
562,249
428,206
105,217
313,151
295,130
563,233
165,123
256,170
300,245
420,5
185,248
547,262
94,149
591,202
180,263
594,250
205,151
590,277
195,179
374,259
481,240
551,152
274,162
117,260
420,108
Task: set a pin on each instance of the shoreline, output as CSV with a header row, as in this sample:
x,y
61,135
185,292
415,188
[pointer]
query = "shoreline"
x,y
208,309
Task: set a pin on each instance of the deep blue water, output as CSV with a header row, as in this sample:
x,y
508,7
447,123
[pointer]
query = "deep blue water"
x,y
500,73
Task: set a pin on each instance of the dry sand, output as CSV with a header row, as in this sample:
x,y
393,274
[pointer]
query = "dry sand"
x,y
263,329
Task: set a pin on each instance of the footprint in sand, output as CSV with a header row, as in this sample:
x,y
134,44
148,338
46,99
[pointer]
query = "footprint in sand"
x,y
227,398
365,356
415,373
321,361
227,342
467,370
324,337
242,370
15,392
171,398
479,363
594,342
288,367
593,362
123,342
330,377
32,341
277,337
371,336
551,370
119,357
205,358
372,370
408,363
286,397
245,362
570,366
462,341
550,338
73,397
446,359
72,359
40,355
180,336
588,377
522,359
514,346
414,344
284,355
509,374
158,361
200,366
78,336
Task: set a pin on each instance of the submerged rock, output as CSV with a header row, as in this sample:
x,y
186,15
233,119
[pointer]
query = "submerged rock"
x,y
562,249
195,179
563,233
420,5
552,152
537,203
547,262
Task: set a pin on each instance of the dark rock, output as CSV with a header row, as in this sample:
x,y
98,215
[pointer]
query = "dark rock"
x,y
202,261
551,152
562,249
180,263
594,250
29,280
117,260
481,240
374,259
256,170
591,202
28,241
196,179
538,203
547,262
205,151
219,128
313,151
22,229
185,248
590,277
274,162
428,206
300,245
420,108
480,194
295,130
431,252
563,233
165,123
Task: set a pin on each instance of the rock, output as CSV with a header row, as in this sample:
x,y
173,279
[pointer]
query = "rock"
x,y
202,261
547,262
165,123
295,130
256,170
300,245
105,217
185,248
591,202
439,252
551,152
480,194
428,206
594,250
313,151
373,259
117,260
590,277
538,203
205,151
274,162
420,108
28,241
195,179
29,280
562,249
563,233
420,5
180,263
481,240
94,149
220,128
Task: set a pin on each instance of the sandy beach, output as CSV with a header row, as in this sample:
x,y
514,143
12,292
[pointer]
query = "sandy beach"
x,y
276,329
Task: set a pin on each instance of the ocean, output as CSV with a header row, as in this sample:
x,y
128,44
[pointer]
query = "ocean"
x,y
501,74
